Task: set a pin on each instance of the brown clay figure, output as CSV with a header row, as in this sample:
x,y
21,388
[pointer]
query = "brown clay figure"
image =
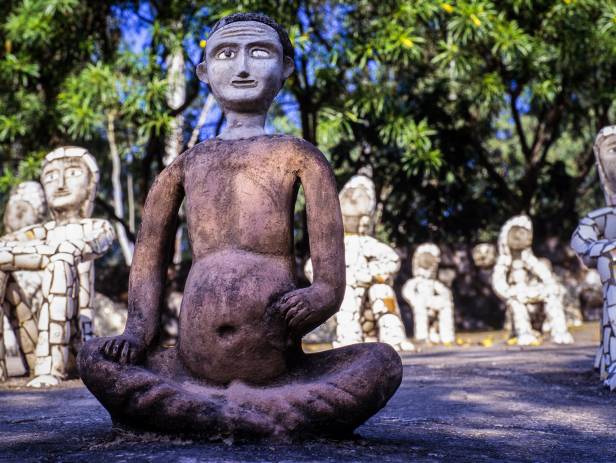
x,y
238,368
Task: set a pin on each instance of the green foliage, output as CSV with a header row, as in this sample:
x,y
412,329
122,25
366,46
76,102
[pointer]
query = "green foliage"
x,y
467,111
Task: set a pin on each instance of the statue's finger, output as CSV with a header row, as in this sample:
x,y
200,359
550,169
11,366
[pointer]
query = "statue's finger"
x,y
109,347
124,353
116,349
299,319
291,313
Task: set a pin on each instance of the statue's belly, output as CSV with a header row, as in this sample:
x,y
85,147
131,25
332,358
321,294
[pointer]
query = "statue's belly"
x,y
227,331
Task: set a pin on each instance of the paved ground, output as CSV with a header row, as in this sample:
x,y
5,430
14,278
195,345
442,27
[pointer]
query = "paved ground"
x,y
471,404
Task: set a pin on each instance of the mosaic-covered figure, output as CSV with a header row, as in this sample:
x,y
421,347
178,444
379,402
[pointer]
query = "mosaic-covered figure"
x,y
63,250
430,299
238,368
26,206
594,240
369,310
527,286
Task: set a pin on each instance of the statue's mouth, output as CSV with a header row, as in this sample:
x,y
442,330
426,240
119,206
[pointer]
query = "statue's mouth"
x,y
61,193
248,83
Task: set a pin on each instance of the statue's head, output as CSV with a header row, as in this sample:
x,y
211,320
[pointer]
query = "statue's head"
x,y
70,176
26,206
358,203
426,260
605,157
516,235
248,56
484,255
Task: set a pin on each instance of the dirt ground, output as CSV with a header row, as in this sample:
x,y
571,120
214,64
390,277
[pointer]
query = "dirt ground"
x,y
463,404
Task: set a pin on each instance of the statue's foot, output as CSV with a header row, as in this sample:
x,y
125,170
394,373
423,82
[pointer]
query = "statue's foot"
x,y
527,340
44,381
610,381
404,346
563,338
326,393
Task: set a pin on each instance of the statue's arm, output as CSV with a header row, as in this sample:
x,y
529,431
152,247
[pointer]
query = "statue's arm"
x,y
325,231
587,239
499,278
98,235
307,308
383,261
32,232
149,266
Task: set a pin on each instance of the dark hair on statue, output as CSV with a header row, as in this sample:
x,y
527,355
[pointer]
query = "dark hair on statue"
x,y
287,47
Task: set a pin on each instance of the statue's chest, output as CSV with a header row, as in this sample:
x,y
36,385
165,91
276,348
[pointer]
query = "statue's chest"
x,y
237,183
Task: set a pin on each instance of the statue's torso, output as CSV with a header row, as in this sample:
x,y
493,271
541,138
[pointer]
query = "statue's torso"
x,y
239,208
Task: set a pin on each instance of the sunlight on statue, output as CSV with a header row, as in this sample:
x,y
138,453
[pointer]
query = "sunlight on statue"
x,y
527,286
62,250
594,240
430,300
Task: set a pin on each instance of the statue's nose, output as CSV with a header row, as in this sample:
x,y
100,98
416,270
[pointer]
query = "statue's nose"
x,y
243,74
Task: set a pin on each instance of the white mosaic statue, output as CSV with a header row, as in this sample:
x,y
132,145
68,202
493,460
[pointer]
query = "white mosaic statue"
x,y
430,299
26,206
369,310
594,240
527,285
63,250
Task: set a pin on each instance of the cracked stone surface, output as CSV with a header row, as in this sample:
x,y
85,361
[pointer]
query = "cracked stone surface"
x,y
476,404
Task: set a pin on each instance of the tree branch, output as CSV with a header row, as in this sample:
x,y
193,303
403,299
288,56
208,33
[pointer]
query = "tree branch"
x,y
110,212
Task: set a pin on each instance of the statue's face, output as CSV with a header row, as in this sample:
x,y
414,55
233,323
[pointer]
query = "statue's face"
x,y
484,255
428,261
19,214
519,238
66,182
245,66
607,158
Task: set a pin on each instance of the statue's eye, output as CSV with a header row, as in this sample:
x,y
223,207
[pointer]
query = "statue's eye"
x,y
227,53
259,53
50,176
73,172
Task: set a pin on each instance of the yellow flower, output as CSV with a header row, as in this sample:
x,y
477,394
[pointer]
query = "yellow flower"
x,y
568,2
406,42
203,43
475,20
447,7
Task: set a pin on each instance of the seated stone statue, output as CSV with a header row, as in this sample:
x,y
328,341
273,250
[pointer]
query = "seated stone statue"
x,y
369,309
238,368
594,240
527,286
430,300
62,250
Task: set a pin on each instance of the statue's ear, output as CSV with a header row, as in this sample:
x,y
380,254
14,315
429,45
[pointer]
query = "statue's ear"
x,y
289,66
202,72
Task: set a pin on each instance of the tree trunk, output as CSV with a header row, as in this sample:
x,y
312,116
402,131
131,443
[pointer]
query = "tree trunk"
x,y
118,205
205,111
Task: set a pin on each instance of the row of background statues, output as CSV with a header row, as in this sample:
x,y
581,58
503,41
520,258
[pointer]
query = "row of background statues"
x,y
46,278
37,248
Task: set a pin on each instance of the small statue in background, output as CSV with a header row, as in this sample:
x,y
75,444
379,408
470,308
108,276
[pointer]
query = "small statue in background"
x,y
430,299
369,310
526,285
594,240
26,206
64,250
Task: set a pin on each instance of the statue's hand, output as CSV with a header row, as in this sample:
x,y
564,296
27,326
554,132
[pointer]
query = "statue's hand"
x,y
299,312
124,349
